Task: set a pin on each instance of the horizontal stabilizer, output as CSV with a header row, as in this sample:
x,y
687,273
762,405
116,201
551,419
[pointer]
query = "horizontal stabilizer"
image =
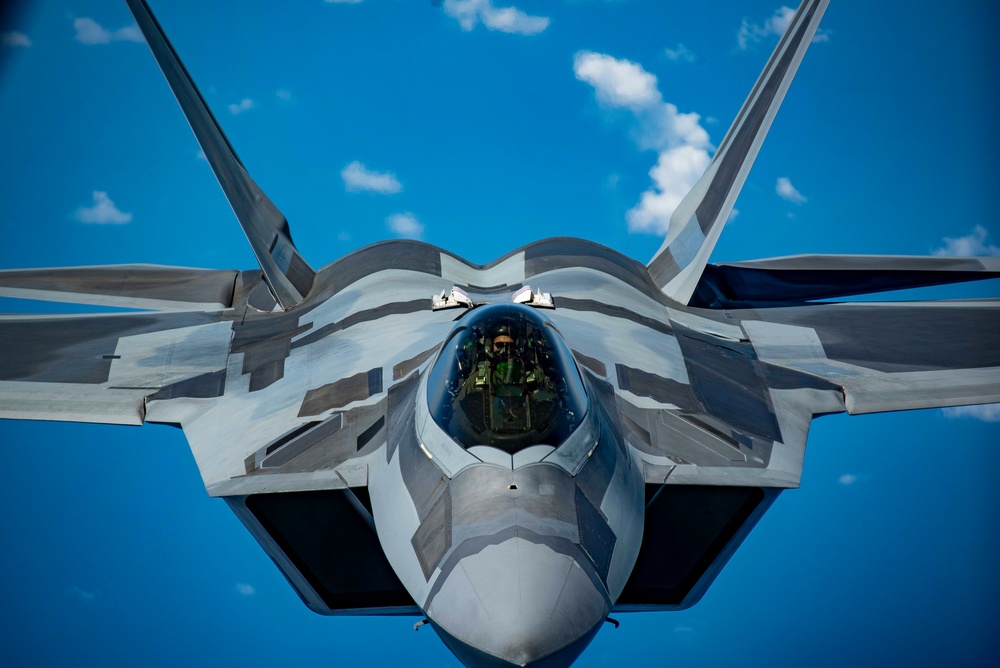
x,y
803,278
140,286
697,222
287,274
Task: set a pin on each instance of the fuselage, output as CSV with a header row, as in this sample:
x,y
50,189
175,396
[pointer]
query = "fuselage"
x,y
509,505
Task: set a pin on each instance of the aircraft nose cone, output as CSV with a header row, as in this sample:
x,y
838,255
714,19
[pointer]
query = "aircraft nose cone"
x,y
518,603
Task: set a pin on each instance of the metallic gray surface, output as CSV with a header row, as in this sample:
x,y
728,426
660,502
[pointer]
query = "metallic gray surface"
x,y
517,560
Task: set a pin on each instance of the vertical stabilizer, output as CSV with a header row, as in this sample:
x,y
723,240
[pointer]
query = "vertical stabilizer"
x,y
287,275
698,220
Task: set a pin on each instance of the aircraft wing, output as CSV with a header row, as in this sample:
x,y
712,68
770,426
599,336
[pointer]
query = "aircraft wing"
x,y
889,356
103,368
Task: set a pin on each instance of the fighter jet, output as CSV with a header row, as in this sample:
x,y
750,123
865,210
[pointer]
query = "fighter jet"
x,y
512,451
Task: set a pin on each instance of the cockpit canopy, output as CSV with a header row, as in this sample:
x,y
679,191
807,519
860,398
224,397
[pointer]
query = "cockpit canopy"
x,y
505,378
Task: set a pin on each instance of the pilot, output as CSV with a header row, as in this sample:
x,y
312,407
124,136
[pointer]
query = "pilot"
x,y
508,369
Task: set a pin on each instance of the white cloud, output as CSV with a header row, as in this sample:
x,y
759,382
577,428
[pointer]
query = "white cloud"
x,y
968,246
89,31
505,19
283,94
358,177
786,190
753,33
984,412
245,589
405,225
675,173
14,39
342,2
847,479
243,105
681,53
104,212
617,83
680,139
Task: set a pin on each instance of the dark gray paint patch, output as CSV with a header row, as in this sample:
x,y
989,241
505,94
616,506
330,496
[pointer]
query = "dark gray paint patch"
x,y
423,479
369,433
284,450
595,365
613,311
566,253
725,379
595,476
205,386
374,381
397,254
491,289
658,388
392,308
663,268
265,341
403,369
596,536
432,538
358,387
325,446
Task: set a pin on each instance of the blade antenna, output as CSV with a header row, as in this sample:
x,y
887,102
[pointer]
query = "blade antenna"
x,y
286,273
697,222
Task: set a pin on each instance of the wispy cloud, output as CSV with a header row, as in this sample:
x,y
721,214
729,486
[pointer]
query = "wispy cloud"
x,y
750,34
847,479
787,191
244,589
358,177
246,104
971,244
983,412
14,38
469,13
283,94
342,2
680,139
681,54
103,212
82,593
89,31
405,225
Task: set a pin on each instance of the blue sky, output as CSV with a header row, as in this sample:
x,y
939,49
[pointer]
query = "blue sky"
x,y
480,128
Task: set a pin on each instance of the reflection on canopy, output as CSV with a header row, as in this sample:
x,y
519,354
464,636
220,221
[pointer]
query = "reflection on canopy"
x,y
506,379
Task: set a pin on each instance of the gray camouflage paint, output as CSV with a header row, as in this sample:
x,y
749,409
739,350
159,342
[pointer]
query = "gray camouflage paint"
x,y
288,380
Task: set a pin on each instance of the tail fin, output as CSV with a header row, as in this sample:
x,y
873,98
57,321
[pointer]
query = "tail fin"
x,y
287,275
697,222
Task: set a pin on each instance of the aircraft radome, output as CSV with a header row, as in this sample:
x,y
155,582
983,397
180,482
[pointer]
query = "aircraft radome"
x,y
515,450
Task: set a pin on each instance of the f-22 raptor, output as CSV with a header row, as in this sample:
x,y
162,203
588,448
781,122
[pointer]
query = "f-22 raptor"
x,y
516,450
